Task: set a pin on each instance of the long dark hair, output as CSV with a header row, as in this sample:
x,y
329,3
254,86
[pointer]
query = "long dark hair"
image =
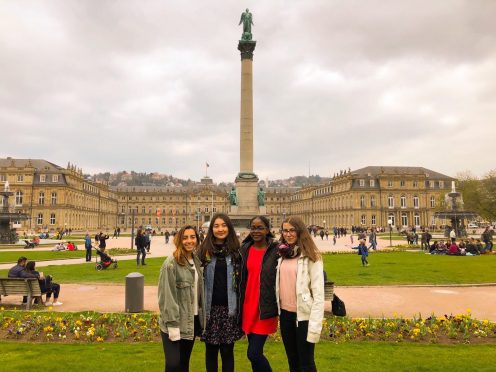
x,y
231,242
30,265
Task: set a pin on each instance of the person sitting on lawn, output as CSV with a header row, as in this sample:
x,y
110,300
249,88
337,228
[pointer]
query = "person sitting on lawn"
x,y
453,249
71,246
479,246
59,247
46,285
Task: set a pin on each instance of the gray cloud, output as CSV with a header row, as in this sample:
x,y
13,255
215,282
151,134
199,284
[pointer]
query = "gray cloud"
x,y
154,86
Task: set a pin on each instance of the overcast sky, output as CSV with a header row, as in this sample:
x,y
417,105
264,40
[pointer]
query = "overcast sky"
x,y
155,85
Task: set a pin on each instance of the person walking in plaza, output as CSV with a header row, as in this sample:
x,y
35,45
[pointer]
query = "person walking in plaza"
x,y
88,246
373,239
300,294
167,236
140,243
363,251
103,241
148,240
181,301
257,289
221,261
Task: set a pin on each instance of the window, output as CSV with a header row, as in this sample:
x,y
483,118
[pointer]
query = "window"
x,y
149,220
206,209
3,177
391,219
163,220
20,178
391,201
390,183
431,184
441,184
55,178
402,183
39,219
372,183
143,210
18,198
403,201
373,221
416,219
415,184
149,211
54,198
52,219
41,198
363,219
415,201
42,177
123,209
433,202
404,219
362,183
372,201
142,220
362,201
170,220
214,209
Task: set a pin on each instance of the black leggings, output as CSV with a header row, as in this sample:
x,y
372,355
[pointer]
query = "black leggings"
x,y
55,290
177,353
226,353
259,362
299,351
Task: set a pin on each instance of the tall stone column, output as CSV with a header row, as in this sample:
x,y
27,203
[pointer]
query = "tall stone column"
x,y
246,118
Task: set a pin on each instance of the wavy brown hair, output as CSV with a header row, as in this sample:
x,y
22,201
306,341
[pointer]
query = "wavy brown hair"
x,y
305,241
179,253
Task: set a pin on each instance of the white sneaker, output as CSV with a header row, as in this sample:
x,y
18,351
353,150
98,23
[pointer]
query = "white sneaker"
x,y
48,304
57,303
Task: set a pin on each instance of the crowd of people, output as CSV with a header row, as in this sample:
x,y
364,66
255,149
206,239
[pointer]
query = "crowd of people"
x,y
222,289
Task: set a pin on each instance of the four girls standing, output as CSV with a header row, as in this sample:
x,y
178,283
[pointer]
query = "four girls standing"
x,y
227,290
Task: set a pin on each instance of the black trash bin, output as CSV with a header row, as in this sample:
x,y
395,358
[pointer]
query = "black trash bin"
x,y
135,293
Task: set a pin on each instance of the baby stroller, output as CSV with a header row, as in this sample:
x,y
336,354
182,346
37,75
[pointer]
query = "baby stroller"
x,y
105,260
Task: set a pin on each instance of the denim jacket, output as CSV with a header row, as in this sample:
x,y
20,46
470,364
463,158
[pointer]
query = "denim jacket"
x,y
232,295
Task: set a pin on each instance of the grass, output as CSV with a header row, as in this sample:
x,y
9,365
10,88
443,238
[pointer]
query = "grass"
x,y
350,356
33,255
343,269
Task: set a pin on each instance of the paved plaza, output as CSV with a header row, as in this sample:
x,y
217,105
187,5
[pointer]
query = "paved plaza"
x,y
361,301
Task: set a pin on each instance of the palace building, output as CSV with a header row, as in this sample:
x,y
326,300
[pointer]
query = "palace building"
x,y
55,198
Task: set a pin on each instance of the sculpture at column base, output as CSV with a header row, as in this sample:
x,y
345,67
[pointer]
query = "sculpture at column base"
x,y
245,176
246,47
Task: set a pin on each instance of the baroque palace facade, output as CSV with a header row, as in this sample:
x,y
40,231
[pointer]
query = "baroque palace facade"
x,y
55,197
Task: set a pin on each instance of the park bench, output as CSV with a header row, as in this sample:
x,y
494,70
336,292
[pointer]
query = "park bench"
x,y
29,287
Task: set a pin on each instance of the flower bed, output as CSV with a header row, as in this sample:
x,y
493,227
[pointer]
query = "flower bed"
x,y
97,327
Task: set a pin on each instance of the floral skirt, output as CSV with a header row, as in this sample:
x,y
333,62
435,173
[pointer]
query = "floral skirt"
x,y
221,328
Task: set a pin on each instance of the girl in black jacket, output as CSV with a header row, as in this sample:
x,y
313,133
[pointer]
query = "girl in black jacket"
x,y
257,290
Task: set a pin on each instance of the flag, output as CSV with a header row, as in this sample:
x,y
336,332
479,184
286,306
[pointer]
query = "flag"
x,y
208,165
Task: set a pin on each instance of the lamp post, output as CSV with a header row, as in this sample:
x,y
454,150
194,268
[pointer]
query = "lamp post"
x,y
390,223
132,227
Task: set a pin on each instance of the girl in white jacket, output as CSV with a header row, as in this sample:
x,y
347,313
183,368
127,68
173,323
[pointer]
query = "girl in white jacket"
x,y
300,294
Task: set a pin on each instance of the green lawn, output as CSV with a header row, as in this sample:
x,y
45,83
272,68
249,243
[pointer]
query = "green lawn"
x,y
350,356
33,255
343,269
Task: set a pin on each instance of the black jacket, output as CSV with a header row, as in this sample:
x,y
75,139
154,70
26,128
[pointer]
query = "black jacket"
x,y
267,299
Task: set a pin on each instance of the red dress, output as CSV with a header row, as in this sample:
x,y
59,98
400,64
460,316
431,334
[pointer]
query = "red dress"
x,y
251,314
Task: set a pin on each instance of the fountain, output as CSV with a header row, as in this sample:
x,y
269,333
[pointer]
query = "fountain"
x,y
454,211
8,234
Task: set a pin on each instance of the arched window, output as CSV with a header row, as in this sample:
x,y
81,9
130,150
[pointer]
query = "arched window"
x,y
362,201
403,201
415,201
416,219
433,202
391,219
363,219
372,201
391,201
404,219
18,198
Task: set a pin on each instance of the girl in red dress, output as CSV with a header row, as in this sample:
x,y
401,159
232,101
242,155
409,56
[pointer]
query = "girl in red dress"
x,y
257,289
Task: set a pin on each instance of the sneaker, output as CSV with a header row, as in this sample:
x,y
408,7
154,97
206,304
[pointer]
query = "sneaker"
x,y
48,304
143,264
57,303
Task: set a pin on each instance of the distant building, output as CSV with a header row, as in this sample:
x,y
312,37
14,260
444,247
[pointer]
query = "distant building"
x,y
55,197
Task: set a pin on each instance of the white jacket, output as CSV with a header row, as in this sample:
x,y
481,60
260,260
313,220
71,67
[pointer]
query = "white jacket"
x,y
309,295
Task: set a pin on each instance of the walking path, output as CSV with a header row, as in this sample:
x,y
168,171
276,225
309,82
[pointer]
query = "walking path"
x,y
374,301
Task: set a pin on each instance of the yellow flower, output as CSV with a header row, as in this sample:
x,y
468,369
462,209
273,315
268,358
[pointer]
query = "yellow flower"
x,y
99,339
